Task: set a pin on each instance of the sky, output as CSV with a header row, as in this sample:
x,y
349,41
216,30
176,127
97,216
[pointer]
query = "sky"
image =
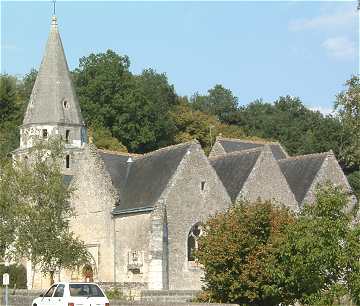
x,y
257,49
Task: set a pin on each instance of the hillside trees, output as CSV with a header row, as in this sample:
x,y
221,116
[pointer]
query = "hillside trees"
x,y
134,108
348,108
299,129
258,254
219,102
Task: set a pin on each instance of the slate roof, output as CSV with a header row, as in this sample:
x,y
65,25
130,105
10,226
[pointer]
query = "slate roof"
x,y
237,145
141,182
233,169
53,86
301,171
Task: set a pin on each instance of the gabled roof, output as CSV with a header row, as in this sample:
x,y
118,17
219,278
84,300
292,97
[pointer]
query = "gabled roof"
x,y
300,172
237,145
141,181
53,98
233,169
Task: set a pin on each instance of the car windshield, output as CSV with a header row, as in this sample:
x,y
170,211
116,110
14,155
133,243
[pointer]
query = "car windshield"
x,y
88,290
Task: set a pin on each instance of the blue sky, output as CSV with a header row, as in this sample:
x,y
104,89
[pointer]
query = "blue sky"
x,y
257,49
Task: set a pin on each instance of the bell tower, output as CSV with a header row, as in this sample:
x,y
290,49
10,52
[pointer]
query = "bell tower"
x,y
53,108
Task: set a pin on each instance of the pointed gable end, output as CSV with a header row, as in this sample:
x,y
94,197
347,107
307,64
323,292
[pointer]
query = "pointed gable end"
x,y
300,172
233,169
53,98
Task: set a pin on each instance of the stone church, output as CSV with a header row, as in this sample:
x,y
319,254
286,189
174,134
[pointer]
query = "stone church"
x,y
140,216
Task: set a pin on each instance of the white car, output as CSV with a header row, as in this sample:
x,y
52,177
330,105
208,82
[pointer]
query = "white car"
x,y
72,294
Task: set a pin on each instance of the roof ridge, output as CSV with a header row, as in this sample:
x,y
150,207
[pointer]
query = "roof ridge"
x,y
242,152
168,148
247,140
119,153
305,156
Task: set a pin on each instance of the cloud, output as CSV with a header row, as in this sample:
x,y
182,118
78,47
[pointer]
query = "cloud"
x,y
340,47
334,20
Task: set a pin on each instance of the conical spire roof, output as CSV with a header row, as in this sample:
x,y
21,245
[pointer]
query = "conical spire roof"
x,y
53,98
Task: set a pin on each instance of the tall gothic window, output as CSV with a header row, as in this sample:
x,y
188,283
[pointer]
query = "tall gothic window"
x,y
195,233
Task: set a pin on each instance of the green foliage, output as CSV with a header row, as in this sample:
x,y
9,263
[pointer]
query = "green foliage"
x,y
135,109
115,294
261,255
320,251
354,181
193,124
143,121
35,211
104,140
348,108
237,253
299,129
17,275
219,102
14,94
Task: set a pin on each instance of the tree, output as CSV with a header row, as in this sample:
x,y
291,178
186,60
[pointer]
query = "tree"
x,y
299,129
98,80
258,254
193,124
104,140
348,109
237,253
319,260
134,108
36,205
143,121
219,102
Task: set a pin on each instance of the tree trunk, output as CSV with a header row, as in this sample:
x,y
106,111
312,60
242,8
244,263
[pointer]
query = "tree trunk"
x,y
52,278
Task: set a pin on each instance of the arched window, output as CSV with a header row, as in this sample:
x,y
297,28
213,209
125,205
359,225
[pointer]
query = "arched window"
x,y
195,233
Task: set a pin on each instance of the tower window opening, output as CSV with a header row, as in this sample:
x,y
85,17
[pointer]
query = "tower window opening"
x,y
202,185
67,161
65,104
44,133
67,136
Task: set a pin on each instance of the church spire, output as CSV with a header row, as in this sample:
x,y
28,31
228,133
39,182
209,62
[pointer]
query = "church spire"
x,y
53,99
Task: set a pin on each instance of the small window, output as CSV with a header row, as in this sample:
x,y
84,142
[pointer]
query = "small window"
x,y
202,185
67,136
67,161
65,104
59,291
44,133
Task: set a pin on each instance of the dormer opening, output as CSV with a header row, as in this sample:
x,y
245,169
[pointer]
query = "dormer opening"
x,y
202,185
44,133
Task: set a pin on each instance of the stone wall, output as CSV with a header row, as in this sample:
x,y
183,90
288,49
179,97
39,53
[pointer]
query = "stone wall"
x,y
266,181
329,171
194,195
